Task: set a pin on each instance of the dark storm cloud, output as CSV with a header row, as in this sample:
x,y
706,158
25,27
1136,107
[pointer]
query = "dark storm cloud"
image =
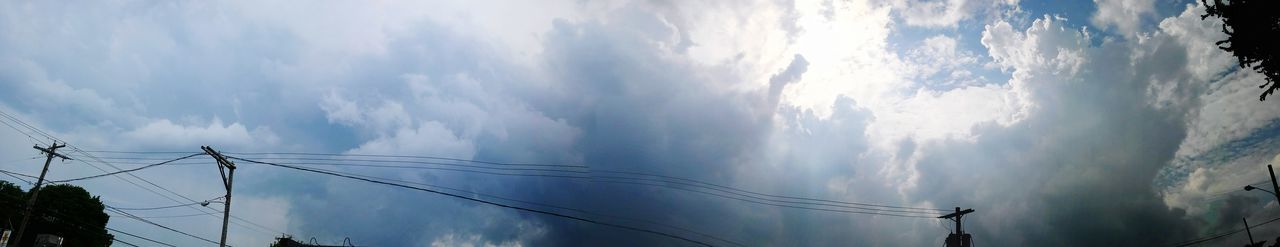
x,y
1079,170
633,109
639,111
451,88
619,91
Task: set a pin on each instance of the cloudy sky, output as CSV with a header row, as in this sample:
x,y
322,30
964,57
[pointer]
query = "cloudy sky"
x,y
1062,123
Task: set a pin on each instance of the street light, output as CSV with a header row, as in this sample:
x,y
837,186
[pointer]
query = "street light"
x,y
1250,187
1274,186
207,202
1246,221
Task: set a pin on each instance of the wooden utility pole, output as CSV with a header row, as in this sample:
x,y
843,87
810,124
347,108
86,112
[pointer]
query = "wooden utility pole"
x,y
50,152
227,169
1250,232
958,238
1275,188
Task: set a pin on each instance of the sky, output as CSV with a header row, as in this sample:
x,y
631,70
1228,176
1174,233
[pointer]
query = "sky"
x,y
1061,123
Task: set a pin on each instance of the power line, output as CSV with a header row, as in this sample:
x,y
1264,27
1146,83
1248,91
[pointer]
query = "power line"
x,y
1212,197
6,123
16,175
127,170
595,170
539,204
76,149
20,175
685,181
1219,235
465,170
140,237
872,212
130,158
737,194
198,208
511,167
410,156
127,243
1237,188
135,152
262,229
177,194
169,216
443,169
590,174
193,201
688,182
16,160
761,196
576,170
661,181
143,161
768,195
164,207
350,155
613,216
484,201
157,224
28,126
81,226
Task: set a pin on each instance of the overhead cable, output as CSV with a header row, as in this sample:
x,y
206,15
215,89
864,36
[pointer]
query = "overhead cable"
x,y
128,170
482,201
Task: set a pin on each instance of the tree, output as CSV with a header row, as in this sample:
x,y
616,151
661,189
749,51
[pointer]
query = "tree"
x,y
285,241
11,200
1251,27
64,210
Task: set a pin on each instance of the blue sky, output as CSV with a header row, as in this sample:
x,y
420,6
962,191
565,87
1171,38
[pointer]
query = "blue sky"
x,y
1063,123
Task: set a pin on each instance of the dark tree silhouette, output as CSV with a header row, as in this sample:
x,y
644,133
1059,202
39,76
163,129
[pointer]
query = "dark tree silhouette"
x,y
64,210
1252,28
285,241
11,201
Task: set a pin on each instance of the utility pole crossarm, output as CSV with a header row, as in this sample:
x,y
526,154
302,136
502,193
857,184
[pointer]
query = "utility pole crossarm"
x,y
223,164
51,149
956,214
